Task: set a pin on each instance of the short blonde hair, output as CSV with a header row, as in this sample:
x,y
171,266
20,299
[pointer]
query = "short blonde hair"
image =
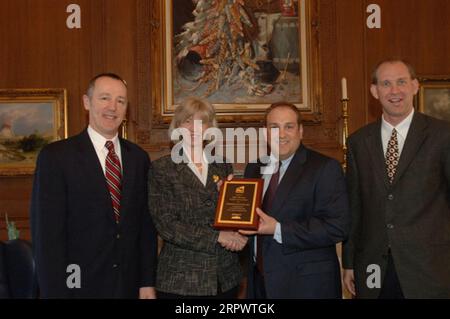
x,y
188,108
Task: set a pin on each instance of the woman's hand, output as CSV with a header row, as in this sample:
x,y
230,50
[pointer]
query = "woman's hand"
x,y
232,240
220,182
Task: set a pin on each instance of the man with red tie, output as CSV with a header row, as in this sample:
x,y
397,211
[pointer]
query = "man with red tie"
x,y
92,233
304,215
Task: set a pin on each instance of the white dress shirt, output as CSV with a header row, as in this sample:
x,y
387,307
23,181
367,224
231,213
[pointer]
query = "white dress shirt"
x,y
202,177
402,129
99,144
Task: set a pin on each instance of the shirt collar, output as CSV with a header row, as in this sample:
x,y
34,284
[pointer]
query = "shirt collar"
x,y
401,128
287,161
284,163
99,140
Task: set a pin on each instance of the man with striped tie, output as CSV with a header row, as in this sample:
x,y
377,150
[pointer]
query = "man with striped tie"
x,y
93,236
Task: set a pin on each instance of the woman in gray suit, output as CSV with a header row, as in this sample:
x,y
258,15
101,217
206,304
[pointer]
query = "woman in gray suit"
x,y
196,260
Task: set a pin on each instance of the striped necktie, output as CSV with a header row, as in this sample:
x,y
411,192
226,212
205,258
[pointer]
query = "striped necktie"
x,y
113,175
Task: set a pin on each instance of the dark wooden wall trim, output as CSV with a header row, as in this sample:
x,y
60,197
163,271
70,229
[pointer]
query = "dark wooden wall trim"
x,y
143,113
38,51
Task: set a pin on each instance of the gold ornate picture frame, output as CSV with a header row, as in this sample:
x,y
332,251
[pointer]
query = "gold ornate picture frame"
x,y
29,119
434,98
245,58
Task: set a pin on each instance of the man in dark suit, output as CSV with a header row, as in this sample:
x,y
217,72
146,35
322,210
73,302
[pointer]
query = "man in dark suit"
x,y
304,215
398,180
92,233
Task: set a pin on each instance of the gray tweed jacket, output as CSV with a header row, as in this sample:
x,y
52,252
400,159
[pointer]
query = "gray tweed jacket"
x,y
191,261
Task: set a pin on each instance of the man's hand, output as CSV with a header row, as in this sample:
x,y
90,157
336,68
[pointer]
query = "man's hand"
x,y
266,226
349,281
147,293
232,240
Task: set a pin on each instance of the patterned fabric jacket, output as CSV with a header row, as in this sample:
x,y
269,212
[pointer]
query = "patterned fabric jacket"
x,y
191,261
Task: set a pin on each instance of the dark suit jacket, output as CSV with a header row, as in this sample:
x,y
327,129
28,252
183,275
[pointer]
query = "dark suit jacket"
x,y
72,222
412,215
311,206
191,261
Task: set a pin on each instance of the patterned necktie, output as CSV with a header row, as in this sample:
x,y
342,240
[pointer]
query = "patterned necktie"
x,y
113,178
392,156
269,196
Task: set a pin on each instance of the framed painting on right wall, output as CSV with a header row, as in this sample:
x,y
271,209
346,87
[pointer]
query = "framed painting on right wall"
x,y
434,98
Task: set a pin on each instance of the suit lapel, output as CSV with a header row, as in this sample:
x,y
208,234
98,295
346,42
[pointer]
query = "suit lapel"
x,y
127,177
374,148
93,169
414,140
188,178
290,178
213,169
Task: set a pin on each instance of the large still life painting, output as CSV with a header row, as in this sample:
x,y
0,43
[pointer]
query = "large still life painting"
x,y
241,55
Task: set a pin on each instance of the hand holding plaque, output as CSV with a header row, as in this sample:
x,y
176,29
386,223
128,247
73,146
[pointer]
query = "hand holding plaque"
x,y
238,200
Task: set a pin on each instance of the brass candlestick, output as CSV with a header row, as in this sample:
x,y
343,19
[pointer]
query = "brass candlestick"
x,y
344,130
124,131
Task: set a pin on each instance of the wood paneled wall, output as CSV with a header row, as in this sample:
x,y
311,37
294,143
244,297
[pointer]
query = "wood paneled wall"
x,y
38,51
418,31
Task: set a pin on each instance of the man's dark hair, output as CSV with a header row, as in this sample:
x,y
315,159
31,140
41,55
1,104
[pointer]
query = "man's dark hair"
x,y
91,84
411,70
291,106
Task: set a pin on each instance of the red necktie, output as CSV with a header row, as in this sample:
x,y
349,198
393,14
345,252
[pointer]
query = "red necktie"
x,y
269,196
113,178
